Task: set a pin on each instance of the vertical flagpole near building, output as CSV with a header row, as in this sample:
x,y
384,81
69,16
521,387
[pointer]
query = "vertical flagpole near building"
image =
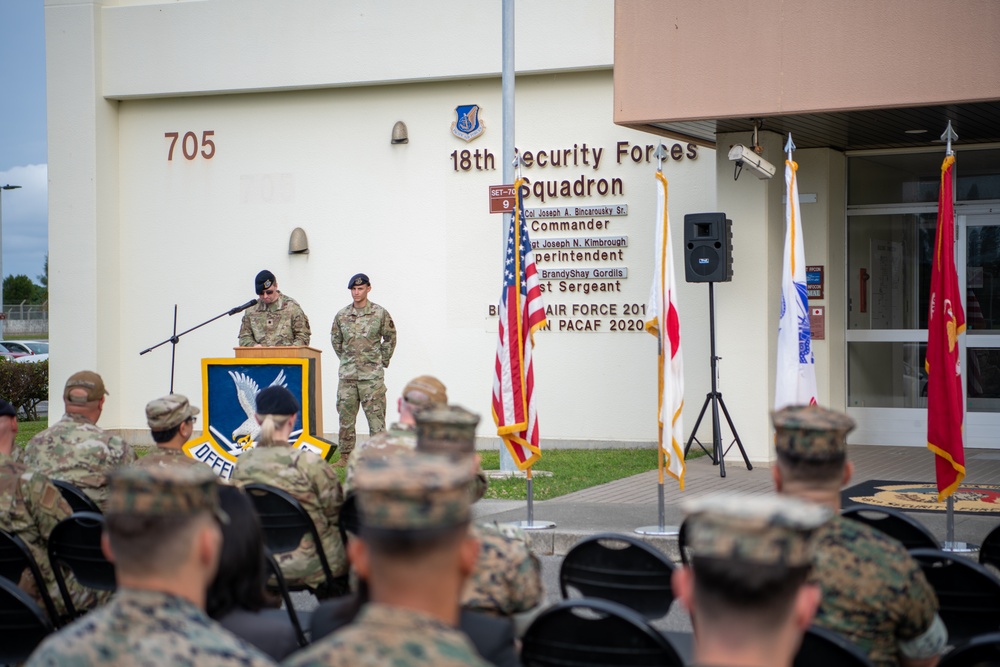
x,y
509,159
665,324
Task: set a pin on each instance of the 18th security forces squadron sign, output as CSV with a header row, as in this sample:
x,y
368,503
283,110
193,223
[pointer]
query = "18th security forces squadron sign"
x,y
229,399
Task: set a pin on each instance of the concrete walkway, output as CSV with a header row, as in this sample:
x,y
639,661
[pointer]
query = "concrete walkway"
x,y
626,504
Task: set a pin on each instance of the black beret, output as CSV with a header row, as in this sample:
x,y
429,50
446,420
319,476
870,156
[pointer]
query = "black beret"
x,y
6,409
276,401
358,279
263,281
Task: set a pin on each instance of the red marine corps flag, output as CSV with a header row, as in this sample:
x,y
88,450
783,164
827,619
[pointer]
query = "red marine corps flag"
x,y
945,321
521,314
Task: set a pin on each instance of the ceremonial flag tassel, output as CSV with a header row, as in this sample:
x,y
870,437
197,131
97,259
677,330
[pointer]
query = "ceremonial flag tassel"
x,y
521,314
795,382
664,323
945,322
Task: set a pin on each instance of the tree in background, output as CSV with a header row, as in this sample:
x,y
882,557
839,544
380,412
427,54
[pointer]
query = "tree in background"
x,y
43,278
20,289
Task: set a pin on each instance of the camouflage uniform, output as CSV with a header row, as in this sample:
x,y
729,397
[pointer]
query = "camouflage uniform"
x,y
279,323
400,436
32,508
384,635
507,578
364,340
166,456
76,450
312,482
874,593
141,627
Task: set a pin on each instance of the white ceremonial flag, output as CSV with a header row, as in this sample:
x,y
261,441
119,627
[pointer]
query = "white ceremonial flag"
x,y
664,323
795,383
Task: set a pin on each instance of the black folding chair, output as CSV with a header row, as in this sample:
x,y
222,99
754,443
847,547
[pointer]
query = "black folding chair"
x,y
895,524
989,551
15,558
77,499
825,648
284,522
23,625
76,543
272,565
980,651
968,594
586,631
620,568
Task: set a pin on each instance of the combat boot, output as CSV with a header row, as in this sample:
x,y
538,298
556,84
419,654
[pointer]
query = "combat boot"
x,y
342,463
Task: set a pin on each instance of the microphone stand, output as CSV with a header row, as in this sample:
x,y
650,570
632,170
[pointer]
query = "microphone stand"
x,y
176,337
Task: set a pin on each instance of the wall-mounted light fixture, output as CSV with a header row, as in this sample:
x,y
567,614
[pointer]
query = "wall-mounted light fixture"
x,y
399,134
298,244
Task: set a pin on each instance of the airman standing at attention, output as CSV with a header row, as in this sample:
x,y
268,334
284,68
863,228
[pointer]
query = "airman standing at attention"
x,y
74,449
364,337
414,552
162,533
747,587
171,423
276,320
874,592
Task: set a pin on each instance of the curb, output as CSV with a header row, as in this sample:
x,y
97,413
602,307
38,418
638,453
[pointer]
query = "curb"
x,y
553,542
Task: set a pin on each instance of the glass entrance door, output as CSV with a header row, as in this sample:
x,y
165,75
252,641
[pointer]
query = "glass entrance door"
x,y
890,269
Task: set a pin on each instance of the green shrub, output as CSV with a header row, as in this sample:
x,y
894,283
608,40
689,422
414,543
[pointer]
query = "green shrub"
x,y
25,386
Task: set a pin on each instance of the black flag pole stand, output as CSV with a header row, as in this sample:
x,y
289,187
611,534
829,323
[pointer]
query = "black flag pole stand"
x,y
176,337
714,398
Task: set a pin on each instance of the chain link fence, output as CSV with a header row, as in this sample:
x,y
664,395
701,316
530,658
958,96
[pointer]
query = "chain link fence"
x,y
25,318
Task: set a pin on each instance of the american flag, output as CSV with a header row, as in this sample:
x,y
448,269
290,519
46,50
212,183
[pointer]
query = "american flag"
x,y
521,314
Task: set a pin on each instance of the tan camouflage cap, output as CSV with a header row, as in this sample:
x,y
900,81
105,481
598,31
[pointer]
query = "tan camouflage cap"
x,y
88,380
411,491
766,530
164,490
162,414
811,433
448,429
425,390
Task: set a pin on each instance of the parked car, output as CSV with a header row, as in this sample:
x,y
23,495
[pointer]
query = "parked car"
x,y
31,358
11,354
36,346
17,347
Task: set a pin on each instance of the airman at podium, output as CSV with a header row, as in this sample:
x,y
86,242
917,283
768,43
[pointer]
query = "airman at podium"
x,y
276,320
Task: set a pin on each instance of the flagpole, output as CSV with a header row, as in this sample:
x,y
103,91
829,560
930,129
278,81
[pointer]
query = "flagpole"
x,y
661,529
950,545
510,157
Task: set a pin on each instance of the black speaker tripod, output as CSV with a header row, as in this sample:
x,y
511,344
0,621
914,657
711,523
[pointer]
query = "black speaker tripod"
x,y
714,397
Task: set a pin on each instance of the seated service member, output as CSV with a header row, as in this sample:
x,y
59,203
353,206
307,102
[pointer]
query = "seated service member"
x,y
171,423
276,320
308,478
874,593
75,449
32,506
162,533
415,553
747,585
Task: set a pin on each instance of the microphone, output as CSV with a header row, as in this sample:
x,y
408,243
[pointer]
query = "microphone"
x,y
240,309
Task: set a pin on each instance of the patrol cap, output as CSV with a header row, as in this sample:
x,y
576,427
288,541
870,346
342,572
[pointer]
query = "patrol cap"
x,y
763,530
425,390
446,429
276,401
162,414
811,433
264,280
88,380
169,490
6,409
413,491
358,279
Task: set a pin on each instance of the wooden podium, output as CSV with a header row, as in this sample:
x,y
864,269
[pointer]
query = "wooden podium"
x,y
315,375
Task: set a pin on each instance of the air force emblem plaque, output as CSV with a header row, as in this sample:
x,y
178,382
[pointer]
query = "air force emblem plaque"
x,y
229,399
468,126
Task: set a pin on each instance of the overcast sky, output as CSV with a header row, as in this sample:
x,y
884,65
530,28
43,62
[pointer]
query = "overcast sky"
x,y
23,144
